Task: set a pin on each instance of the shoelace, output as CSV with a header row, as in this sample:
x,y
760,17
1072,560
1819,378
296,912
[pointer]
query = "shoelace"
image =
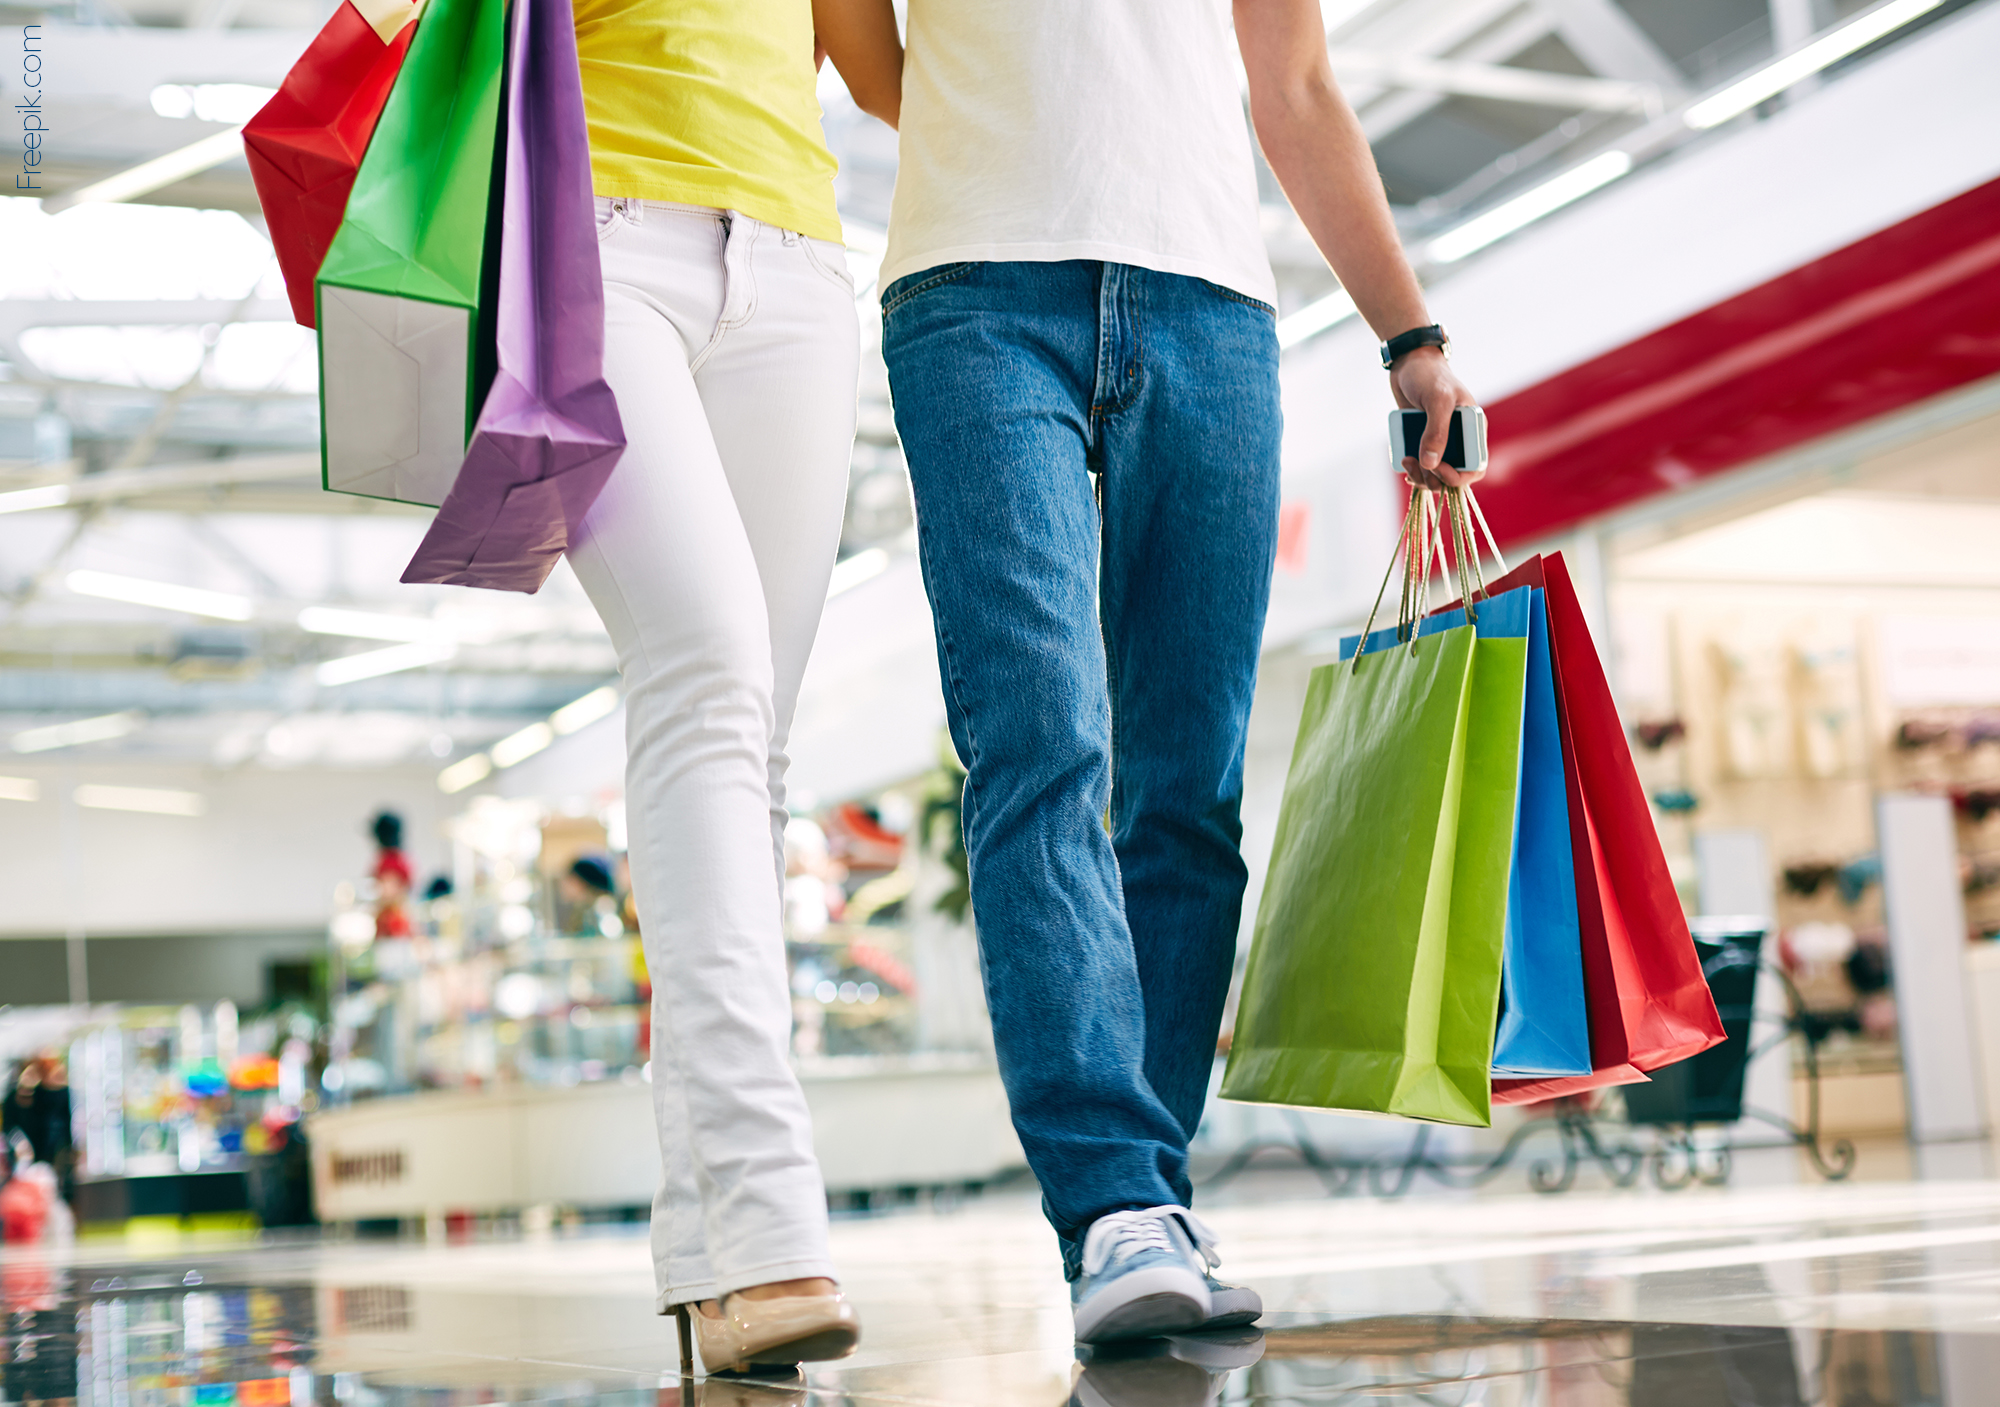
x,y
1130,1233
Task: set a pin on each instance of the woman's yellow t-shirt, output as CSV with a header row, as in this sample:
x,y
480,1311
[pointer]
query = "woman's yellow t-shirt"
x,y
708,102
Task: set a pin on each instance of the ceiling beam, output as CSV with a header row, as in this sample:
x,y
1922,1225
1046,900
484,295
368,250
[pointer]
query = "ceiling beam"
x,y
1387,110
1495,81
117,485
1611,42
158,173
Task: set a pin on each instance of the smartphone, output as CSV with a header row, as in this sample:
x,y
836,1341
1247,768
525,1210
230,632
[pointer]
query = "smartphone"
x,y
1464,449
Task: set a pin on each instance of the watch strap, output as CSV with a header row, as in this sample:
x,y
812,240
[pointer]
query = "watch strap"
x,y
1403,343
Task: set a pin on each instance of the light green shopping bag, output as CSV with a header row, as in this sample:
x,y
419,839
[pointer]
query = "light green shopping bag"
x,y
1373,982
405,353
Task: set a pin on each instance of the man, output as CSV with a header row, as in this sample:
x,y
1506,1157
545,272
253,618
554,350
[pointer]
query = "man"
x,y
1078,325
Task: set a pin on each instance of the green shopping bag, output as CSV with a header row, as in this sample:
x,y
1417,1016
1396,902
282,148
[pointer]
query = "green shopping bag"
x,y
1373,982
405,346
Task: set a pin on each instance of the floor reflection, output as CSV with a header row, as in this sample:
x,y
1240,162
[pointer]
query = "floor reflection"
x,y
248,1333
1516,1363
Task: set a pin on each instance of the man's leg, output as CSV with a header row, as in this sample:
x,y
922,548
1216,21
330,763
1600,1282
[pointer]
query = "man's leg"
x,y
1190,461
994,369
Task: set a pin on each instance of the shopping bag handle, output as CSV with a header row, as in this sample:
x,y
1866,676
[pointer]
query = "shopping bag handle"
x,y
1415,541
1464,512
1472,502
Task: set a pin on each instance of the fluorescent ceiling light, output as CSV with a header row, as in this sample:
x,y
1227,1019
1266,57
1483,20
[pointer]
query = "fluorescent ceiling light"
x,y
1830,48
1530,206
100,729
211,102
19,789
149,176
594,705
156,800
47,496
852,571
366,625
1314,318
462,774
519,747
371,663
168,597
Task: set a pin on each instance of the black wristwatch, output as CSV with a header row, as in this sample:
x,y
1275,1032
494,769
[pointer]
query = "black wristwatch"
x,y
1403,343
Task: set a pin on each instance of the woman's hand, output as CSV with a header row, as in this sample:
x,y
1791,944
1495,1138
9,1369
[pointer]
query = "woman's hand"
x,y
860,37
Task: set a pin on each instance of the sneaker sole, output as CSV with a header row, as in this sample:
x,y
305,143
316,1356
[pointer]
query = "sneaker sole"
x,y
1144,1305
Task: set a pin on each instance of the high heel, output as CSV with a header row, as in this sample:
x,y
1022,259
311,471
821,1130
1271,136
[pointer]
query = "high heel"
x,y
777,1332
685,1333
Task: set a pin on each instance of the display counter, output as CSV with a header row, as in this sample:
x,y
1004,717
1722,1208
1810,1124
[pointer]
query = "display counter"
x,y
878,1122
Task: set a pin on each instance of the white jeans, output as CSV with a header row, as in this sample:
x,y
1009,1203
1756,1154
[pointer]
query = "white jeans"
x,y
731,346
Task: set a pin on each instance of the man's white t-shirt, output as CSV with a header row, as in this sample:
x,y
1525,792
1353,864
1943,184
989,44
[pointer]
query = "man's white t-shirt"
x,y
1038,130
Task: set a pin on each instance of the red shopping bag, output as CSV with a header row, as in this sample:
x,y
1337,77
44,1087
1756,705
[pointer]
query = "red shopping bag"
x,y
1649,1003
305,145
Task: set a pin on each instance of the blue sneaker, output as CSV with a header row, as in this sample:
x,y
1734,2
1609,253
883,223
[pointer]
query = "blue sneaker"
x,y
1231,1306
1143,1276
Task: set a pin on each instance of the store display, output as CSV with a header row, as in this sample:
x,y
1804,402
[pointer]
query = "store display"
x,y
1658,733
526,969
1958,758
176,1107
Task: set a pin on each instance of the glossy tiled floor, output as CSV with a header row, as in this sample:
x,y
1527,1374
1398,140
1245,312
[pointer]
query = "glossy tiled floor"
x,y
1774,1291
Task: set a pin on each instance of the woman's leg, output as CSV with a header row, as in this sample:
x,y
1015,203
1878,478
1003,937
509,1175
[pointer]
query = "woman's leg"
x,y
667,557
779,389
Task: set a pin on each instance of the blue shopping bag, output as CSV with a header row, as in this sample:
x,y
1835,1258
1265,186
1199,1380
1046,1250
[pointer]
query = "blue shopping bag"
x,y
1544,1027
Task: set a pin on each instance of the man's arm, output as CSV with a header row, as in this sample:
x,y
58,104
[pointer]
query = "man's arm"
x,y
860,37
1320,156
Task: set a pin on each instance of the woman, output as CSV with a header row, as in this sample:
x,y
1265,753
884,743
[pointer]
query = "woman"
x,y
730,341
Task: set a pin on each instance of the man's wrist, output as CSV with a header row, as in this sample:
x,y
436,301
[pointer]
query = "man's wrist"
x,y
1417,338
1419,354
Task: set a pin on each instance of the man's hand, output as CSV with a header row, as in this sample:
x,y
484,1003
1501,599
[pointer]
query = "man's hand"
x,y
1320,156
1423,380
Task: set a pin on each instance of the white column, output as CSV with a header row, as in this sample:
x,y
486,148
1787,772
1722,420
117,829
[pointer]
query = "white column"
x,y
1926,913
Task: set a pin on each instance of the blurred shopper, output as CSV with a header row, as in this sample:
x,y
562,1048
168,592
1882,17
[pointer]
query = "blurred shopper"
x,y
37,1109
586,897
393,877
730,340
1079,326
24,1202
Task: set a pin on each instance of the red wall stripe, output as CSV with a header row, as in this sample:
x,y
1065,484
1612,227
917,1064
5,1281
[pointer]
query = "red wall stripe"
x,y
1898,317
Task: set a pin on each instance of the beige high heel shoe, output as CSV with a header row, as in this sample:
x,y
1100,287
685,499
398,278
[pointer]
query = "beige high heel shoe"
x,y
768,1332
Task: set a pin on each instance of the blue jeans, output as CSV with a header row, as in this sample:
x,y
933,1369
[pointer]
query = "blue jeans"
x,y
1096,663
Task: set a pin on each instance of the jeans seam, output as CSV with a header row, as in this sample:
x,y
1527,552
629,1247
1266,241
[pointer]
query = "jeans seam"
x,y
724,324
1233,296
840,277
957,685
948,274
1110,657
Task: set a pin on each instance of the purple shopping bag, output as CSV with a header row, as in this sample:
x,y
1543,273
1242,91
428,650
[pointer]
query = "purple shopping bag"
x,y
548,435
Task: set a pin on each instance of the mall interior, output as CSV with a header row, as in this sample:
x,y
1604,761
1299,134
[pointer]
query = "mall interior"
x,y
324,1030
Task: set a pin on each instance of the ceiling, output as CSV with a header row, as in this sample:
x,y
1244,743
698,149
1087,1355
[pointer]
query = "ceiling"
x,y
148,362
